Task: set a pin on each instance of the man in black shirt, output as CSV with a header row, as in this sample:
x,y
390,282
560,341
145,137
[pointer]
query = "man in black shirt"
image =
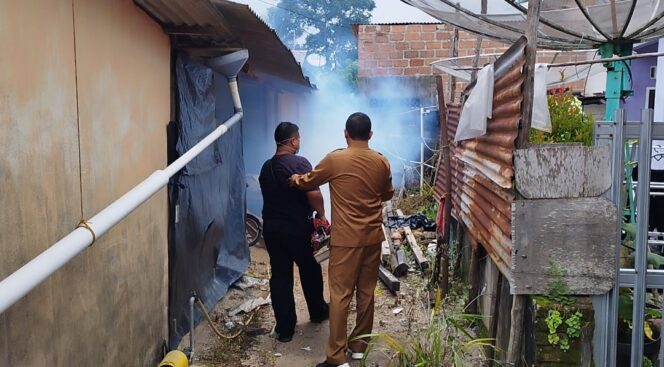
x,y
287,232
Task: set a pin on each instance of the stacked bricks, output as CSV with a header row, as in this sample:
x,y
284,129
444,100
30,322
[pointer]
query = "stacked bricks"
x,y
407,50
391,50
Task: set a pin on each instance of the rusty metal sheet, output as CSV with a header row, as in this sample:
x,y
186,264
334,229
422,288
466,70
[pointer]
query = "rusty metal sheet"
x,y
482,169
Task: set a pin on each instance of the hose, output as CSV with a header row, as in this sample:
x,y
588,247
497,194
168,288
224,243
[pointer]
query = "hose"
x,y
214,328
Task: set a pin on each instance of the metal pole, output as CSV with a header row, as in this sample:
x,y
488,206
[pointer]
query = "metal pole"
x,y
616,195
643,200
192,327
421,150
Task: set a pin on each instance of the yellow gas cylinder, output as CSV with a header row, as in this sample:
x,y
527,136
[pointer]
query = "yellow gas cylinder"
x,y
174,358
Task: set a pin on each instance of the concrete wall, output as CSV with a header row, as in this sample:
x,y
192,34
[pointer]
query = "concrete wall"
x,y
107,306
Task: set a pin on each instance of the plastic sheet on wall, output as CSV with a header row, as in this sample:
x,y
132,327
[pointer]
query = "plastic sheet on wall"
x,y
207,248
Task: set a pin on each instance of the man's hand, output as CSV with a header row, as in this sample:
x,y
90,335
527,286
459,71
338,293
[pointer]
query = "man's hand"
x,y
292,180
323,219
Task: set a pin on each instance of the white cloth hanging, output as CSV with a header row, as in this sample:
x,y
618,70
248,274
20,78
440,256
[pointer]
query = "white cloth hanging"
x,y
541,118
478,107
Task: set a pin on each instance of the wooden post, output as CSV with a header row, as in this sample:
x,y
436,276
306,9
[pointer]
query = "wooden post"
x,y
444,282
519,301
455,53
474,278
459,249
516,330
478,47
529,73
390,281
443,254
496,289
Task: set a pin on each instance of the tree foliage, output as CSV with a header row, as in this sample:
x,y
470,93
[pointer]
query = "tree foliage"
x,y
322,27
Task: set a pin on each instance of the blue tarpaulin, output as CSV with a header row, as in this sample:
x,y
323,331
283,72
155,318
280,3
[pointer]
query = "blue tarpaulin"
x,y
207,247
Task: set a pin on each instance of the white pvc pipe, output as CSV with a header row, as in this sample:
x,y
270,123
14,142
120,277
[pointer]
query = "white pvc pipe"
x,y
23,280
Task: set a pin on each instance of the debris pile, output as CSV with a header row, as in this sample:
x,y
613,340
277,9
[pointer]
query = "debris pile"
x,y
402,251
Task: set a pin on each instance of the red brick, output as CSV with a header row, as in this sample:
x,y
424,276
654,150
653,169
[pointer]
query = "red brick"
x,y
398,28
381,38
429,28
385,63
400,63
428,36
410,71
443,36
369,28
381,56
384,28
381,71
411,54
369,47
465,43
395,71
413,28
434,45
396,55
396,36
368,64
430,61
426,70
417,45
427,53
412,36
401,46
386,47
443,53
416,62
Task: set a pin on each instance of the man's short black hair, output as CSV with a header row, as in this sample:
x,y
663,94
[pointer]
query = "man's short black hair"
x,y
284,132
358,126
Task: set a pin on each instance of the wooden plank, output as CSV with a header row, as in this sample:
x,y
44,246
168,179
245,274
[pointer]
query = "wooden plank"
x,y
576,235
385,252
552,171
421,260
516,330
532,22
390,281
398,261
474,278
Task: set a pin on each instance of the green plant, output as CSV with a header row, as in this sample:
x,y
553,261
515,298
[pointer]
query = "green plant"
x,y
558,289
562,312
568,121
445,341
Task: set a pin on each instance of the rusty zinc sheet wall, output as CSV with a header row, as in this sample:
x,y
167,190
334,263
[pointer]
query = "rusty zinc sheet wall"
x,y
481,169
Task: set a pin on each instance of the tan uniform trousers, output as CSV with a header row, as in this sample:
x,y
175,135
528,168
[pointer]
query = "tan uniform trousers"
x,y
351,269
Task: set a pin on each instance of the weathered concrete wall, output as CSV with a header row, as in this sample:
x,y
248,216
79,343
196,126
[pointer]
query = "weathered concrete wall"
x,y
108,306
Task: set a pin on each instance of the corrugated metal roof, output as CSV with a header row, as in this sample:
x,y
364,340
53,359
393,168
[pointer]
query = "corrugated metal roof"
x,y
481,169
214,27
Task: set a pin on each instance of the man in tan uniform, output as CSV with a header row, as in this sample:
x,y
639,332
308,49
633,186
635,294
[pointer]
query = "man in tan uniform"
x,y
360,180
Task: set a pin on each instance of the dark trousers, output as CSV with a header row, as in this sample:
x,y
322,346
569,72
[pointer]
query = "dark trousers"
x,y
284,250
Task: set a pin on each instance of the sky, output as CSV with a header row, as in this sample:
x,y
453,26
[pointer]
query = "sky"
x,y
391,11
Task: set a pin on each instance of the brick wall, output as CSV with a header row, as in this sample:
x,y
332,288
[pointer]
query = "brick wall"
x,y
407,50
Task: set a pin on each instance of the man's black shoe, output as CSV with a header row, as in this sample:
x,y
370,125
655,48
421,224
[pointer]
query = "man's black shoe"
x,y
284,338
322,317
325,364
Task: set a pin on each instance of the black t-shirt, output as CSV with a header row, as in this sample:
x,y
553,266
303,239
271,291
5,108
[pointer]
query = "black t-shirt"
x,y
285,209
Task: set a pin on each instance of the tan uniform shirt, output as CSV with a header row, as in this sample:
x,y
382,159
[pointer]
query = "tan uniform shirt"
x,y
360,180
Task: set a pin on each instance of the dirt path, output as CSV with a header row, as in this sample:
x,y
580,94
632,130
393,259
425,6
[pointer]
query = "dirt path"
x,y
256,348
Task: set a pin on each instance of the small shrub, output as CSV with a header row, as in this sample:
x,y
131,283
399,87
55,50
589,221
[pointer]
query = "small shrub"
x,y
569,123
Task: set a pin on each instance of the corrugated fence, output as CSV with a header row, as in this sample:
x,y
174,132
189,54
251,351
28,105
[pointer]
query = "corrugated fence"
x,y
481,169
